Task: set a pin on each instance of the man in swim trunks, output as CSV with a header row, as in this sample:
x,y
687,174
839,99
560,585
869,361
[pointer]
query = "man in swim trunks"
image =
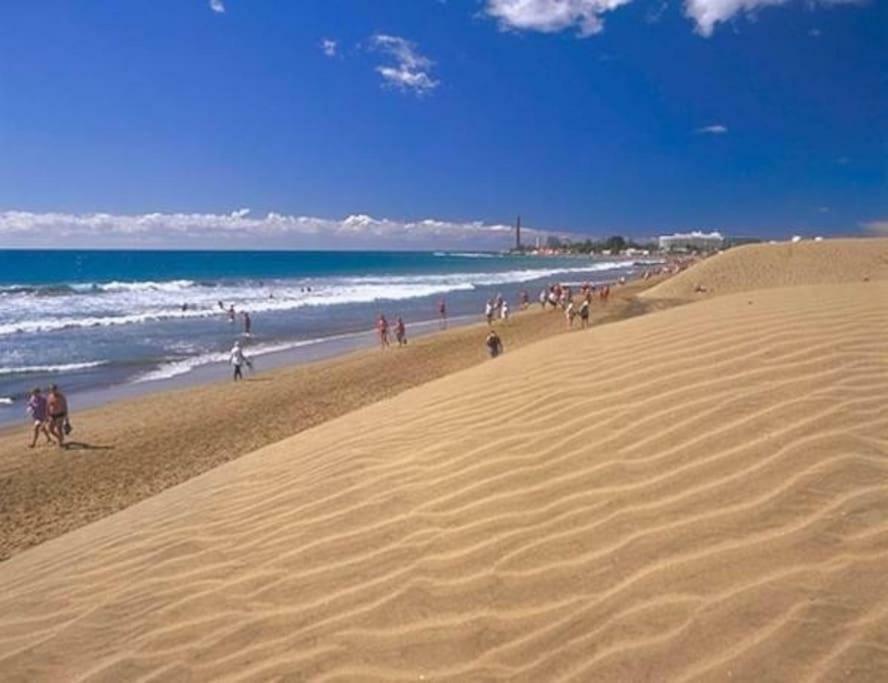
x,y
57,407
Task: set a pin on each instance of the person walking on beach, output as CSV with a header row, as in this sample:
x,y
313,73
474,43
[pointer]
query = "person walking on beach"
x,y
488,311
494,344
400,332
544,298
38,413
570,313
504,312
553,298
382,328
442,313
525,300
604,293
248,324
238,361
57,407
584,313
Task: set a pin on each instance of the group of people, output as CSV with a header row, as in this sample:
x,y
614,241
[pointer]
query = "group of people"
x,y
49,414
383,329
232,316
496,308
562,297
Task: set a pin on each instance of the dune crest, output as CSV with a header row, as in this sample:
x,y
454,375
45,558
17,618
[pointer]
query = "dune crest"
x,y
697,494
787,264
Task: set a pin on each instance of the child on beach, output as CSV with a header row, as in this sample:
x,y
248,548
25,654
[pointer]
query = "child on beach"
x,y
37,411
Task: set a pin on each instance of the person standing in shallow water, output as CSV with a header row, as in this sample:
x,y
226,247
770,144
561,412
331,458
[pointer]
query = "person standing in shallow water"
x,y
442,313
400,332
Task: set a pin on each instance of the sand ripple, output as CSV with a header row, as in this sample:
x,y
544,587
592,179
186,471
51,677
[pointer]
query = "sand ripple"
x,y
698,494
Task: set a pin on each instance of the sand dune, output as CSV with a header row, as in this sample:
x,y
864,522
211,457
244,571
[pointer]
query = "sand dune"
x,y
697,494
763,266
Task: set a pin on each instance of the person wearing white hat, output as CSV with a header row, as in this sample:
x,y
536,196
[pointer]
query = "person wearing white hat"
x,y
238,360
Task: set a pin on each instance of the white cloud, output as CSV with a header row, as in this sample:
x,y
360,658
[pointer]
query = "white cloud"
x,y
586,16
551,16
714,129
707,13
217,6
329,47
411,70
241,230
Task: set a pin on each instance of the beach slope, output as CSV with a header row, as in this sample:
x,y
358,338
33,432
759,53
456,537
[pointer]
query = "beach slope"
x,y
787,264
696,494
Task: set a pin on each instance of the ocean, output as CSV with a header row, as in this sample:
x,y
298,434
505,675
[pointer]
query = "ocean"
x,y
92,320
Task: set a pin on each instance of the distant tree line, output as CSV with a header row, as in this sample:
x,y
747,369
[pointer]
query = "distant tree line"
x,y
613,244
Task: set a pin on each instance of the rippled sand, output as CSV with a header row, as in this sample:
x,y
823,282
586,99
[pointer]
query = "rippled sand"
x,y
697,494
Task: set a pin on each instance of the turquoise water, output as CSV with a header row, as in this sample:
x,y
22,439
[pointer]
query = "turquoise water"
x,y
91,319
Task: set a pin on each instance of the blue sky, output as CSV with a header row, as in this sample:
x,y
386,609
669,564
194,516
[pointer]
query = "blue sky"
x,y
586,116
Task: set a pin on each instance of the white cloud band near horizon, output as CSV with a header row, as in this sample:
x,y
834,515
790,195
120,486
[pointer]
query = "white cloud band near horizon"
x,y
879,227
240,230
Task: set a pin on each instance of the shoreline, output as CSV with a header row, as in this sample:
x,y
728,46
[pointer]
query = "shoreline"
x,y
103,359
301,353
134,447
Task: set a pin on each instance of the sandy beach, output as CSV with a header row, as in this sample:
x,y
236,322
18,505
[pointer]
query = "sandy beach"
x,y
135,448
697,493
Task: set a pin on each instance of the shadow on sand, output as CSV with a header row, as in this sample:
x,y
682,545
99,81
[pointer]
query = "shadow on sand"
x,y
81,446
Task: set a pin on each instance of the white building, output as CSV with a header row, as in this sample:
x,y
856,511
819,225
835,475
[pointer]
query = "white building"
x,y
692,241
